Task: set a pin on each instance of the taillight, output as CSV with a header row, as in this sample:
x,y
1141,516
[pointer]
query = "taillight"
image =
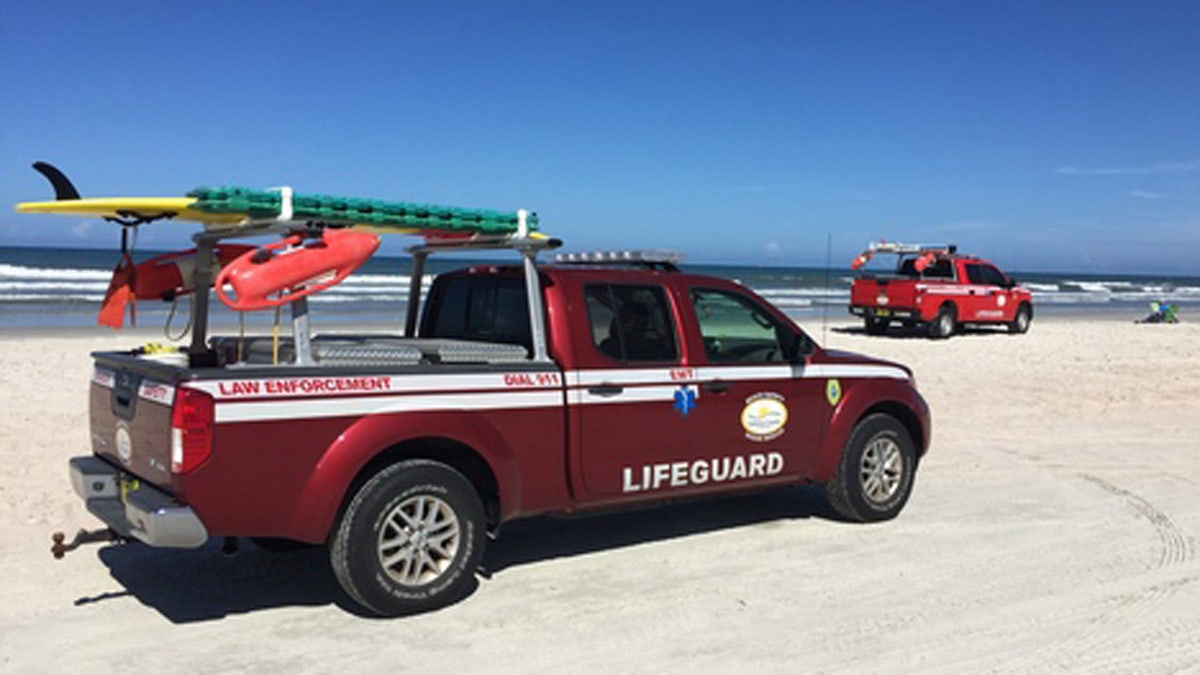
x,y
191,430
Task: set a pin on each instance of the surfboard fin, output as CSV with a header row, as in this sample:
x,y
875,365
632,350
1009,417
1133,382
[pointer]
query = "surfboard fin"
x,y
63,189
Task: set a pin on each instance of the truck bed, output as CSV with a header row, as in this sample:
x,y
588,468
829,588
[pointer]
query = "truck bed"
x,y
365,350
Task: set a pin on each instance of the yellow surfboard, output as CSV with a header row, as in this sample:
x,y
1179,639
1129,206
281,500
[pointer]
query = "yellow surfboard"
x,y
124,207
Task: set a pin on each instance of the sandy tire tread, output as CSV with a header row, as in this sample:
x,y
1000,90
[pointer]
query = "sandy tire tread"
x,y
352,550
1021,320
844,490
945,323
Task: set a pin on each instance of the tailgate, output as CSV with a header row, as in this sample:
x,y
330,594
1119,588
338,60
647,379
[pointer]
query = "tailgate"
x,y
130,415
884,292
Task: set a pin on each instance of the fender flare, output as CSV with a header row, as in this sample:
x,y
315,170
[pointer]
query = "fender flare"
x,y
929,311
340,467
896,397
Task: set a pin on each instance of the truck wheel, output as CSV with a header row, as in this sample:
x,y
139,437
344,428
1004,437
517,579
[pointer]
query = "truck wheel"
x,y
945,323
875,475
1020,322
410,540
875,326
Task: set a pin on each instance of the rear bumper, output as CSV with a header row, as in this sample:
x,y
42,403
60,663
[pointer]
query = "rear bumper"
x,y
134,509
885,313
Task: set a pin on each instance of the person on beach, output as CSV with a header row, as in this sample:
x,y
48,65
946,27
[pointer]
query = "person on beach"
x,y
1161,312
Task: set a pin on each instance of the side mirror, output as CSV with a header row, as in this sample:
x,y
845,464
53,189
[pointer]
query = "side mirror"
x,y
801,347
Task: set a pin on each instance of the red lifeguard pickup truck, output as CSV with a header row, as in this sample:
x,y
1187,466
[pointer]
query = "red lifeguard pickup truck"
x,y
936,287
518,390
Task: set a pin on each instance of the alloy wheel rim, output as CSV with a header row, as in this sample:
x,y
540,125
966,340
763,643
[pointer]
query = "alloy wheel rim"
x,y
882,469
418,540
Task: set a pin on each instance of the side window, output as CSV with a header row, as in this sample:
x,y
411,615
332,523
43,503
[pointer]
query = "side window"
x,y
975,274
631,323
737,330
993,276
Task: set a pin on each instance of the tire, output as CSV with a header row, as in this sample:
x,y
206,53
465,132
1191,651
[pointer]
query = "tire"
x,y
411,539
945,323
1021,320
875,326
875,475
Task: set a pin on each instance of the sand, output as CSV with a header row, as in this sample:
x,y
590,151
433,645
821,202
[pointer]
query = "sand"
x,y
1053,527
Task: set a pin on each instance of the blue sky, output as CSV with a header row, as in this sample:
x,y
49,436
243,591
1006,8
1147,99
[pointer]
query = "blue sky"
x,y
1047,135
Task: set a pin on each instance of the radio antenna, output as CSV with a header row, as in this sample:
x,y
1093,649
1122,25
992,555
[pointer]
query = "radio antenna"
x,y
825,305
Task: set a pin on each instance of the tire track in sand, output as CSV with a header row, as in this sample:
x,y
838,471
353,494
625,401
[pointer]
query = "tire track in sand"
x,y
1116,620
1177,546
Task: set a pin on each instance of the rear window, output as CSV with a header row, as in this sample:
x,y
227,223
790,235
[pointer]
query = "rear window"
x,y
486,308
939,268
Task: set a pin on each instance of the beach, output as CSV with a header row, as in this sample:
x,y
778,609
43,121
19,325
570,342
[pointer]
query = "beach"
x,y
1053,527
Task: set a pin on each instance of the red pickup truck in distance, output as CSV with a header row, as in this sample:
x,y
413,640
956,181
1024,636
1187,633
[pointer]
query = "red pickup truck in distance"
x,y
514,391
937,288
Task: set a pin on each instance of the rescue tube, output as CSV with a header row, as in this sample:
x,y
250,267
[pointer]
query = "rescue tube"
x,y
861,260
163,277
290,269
923,262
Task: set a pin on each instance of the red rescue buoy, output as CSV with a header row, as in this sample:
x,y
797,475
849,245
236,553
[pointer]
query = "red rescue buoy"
x,y
162,277
921,263
860,260
290,269
165,276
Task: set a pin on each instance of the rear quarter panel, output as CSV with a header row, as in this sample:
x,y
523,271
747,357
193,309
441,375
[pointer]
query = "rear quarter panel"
x,y
287,473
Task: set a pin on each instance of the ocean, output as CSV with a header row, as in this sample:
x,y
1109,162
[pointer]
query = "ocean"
x,y
63,287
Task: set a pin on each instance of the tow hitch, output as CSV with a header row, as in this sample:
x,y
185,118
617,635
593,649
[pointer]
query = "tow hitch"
x,y
59,549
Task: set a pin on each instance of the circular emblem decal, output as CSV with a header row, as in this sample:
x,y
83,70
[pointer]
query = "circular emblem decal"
x,y
1000,299
764,417
833,392
124,444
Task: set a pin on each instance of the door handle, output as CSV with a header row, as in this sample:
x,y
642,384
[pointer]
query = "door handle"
x,y
606,390
717,386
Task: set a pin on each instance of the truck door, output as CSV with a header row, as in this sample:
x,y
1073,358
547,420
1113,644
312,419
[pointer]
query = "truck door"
x,y
990,298
754,401
975,300
1004,297
633,411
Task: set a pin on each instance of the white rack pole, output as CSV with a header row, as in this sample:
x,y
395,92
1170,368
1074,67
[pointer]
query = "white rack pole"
x,y
533,290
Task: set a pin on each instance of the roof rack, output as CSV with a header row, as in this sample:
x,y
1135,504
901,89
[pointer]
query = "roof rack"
x,y
926,251
657,259
898,248
524,240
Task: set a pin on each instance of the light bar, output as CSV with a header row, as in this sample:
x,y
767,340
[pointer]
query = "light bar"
x,y
642,257
898,248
